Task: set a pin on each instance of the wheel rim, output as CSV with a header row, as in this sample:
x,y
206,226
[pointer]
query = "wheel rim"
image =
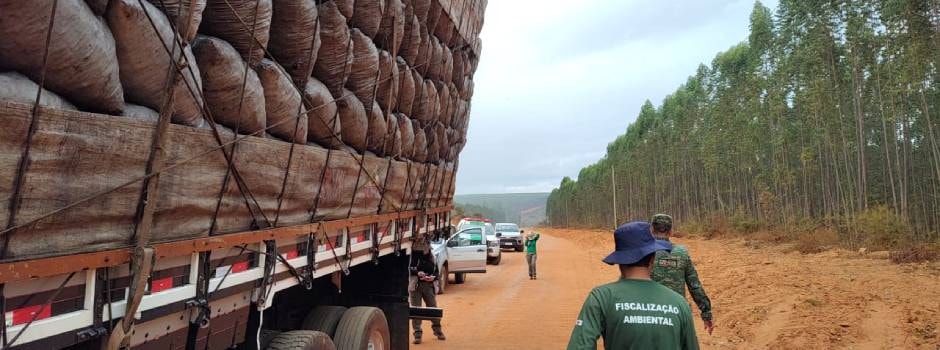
x,y
376,340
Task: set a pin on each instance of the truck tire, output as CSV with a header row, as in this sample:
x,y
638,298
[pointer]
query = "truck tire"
x,y
518,248
460,278
301,340
497,259
323,318
363,328
266,336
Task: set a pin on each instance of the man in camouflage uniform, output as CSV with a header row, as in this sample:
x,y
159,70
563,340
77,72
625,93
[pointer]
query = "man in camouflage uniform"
x,y
675,269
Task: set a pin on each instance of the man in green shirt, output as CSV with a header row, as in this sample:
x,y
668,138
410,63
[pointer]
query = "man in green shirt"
x,y
530,257
634,312
675,270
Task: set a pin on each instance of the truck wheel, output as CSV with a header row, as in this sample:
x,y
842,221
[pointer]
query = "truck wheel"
x,y
443,280
323,318
301,340
497,259
460,278
363,328
518,248
266,336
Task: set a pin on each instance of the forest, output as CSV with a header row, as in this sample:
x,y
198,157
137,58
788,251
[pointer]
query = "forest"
x,y
826,118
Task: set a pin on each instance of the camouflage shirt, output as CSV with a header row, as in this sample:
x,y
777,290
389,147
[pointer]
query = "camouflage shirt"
x,y
675,270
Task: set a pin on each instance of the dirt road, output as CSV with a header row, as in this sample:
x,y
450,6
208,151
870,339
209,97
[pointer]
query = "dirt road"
x,y
763,298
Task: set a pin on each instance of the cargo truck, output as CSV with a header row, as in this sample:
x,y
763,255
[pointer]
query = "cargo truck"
x,y
146,204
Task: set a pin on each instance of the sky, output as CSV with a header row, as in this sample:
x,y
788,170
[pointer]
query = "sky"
x,y
559,80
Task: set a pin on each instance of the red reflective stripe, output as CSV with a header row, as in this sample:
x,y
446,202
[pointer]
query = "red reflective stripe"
x,y
291,254
239,267
161,284
24,315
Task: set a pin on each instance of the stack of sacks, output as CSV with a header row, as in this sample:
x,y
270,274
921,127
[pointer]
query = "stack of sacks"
x,y
391,78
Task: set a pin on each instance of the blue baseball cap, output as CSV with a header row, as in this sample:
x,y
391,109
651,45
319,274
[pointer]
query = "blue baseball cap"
x,y
632,242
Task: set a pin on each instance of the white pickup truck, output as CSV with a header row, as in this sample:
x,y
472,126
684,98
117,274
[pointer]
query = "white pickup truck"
x,y
462,253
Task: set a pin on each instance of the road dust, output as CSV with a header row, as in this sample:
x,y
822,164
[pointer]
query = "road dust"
x,y
763,298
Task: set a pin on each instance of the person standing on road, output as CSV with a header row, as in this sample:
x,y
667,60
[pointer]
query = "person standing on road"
x,y
675,270
530,257
423,286
634,312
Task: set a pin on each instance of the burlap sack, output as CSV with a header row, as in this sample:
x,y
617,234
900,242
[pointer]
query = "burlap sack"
x,y
365,68
420,143
82,64
367,16
426,106
186,15
392,30
234,100
411,40
406,87
378,128
295,37
324,124
457,73
418,82
424,52
452,141
334,59
346,8
233,20
444,29
144,61
392,136
387,92
442,142
443,97
436,61
354,119
461,115
141,113
465,88
435,13
453,39
16,87
407,136
474,63
452,105
286,117
433,144
421,8
447,71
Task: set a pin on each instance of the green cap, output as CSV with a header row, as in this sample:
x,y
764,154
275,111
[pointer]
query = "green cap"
x,y
661,223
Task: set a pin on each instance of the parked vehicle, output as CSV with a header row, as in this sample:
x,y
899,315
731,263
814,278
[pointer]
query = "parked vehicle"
x,y
510,237
463,253
493,253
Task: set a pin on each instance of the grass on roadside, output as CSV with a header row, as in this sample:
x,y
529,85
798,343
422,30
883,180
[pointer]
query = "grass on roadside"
x,y
875,229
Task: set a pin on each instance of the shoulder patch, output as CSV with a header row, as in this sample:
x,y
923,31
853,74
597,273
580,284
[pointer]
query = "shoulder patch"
x,y
668,262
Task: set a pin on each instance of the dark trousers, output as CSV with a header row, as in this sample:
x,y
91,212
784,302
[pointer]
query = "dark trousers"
x,y
530,258
424,291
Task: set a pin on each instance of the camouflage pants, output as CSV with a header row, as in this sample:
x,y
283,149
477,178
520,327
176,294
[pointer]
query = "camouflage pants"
x,y
425,291
530,259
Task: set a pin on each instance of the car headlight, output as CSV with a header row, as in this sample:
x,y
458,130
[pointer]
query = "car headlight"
x,y
492,243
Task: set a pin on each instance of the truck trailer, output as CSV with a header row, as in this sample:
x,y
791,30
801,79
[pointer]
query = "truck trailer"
x,y
216,174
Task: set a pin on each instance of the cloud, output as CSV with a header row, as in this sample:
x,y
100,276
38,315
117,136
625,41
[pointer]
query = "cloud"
x,y
559,80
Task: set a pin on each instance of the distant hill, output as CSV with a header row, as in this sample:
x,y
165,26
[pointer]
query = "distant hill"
x,y
527,209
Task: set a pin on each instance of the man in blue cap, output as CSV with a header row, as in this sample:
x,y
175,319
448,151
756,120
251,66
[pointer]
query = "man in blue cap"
x,y
634,312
